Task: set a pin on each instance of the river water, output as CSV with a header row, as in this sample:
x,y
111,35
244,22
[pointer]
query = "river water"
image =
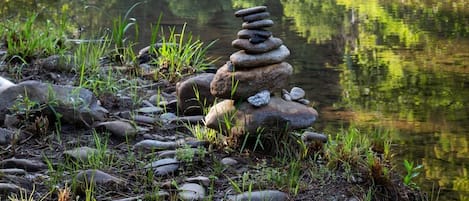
x,y
398,65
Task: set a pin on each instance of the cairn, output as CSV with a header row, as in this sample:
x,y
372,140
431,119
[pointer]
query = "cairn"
x,y
251,76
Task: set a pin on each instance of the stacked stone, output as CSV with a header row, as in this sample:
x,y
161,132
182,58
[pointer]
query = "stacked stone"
x,y
248,79
258,65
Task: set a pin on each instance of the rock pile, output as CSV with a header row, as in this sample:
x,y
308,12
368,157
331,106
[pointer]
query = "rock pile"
x,y
249,78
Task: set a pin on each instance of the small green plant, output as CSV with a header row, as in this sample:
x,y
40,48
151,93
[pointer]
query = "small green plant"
x,y
203,133
180,55
412,172
120,26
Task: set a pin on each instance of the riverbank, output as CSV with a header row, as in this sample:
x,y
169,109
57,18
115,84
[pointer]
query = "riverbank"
x,y
145,148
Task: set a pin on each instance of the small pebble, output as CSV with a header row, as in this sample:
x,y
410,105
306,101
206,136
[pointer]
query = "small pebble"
x,y
164,166
229,161
297,93
303,101
191,192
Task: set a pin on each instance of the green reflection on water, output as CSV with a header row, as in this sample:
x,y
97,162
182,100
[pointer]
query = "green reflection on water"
x,y
406,63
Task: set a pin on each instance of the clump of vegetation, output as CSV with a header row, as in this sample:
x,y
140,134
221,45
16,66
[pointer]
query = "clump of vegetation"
x,y
30,39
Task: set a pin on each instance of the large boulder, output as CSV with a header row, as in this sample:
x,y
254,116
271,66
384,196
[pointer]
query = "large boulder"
x,y
194,94
249,82
75,105
245,118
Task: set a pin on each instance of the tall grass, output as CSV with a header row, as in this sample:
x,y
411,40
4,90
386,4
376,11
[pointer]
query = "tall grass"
x,y
30,39
181,55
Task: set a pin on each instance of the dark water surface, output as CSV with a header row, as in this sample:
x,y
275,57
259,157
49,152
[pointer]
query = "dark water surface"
x,y
401,65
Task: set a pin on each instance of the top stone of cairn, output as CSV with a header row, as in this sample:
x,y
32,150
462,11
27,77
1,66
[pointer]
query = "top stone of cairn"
x,y
248,11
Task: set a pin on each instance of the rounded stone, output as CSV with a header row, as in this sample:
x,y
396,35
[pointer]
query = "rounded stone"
x,y
248,82
249,33
163,166
257,24
249,11
241,59
250,48
256,16
297,93
193,94
191,192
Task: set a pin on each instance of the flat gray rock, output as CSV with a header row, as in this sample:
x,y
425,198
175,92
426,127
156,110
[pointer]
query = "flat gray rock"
x,y
261,24
241,59
12,171
309,136
249,11
120,129
155,145
269,44
7,188
267,195
26,164
98,177
191,192
150,110
249,33
81,153
164,166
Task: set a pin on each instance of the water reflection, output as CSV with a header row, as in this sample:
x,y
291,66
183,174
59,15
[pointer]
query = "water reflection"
x,y
403,65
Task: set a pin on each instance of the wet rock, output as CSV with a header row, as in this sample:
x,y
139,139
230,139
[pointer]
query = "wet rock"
x,y
250,81
26,164
260,99
250,33
194,94
267,45
76,105
260,24
250,11
309,136
205,181
297,93
241,59
267,195
191,192
99,178
163,166
155,145
7,188
256,16
6,136
12,171
120,129
81,153
278,114
229,161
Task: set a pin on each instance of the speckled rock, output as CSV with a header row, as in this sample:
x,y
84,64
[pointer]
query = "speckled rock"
x,y
250,81
260,99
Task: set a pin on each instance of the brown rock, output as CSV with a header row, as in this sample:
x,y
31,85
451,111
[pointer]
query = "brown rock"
x,y
277,115
250,48
250,81
242,60
187,92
